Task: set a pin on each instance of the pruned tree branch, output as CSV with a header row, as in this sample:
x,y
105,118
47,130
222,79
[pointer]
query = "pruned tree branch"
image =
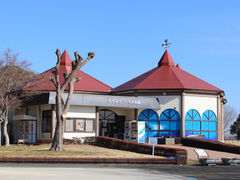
x,y
78,64
62,108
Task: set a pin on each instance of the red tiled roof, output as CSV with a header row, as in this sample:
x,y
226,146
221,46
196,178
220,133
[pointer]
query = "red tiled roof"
x,y
86,83
166,76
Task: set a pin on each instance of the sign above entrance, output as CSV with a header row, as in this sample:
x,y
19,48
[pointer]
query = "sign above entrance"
x,y
109,101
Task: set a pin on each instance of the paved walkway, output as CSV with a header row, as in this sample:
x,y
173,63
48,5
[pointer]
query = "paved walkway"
x,y
212,154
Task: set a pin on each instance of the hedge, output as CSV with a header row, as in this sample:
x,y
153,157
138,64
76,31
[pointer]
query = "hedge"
x,y
211,145
179,154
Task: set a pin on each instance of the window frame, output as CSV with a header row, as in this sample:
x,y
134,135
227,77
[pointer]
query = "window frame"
x,y
49,118
79,131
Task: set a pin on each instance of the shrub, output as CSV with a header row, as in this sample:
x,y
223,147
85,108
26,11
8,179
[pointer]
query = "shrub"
x,y
179,154
211,145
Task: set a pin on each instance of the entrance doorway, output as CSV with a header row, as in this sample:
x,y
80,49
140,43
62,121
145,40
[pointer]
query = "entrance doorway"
x,y
111,125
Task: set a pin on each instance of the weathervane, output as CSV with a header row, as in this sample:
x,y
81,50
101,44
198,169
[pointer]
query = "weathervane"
x,y
166,44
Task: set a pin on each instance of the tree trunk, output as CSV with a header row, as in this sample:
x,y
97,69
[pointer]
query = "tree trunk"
x,y
0,133
57,143
5,131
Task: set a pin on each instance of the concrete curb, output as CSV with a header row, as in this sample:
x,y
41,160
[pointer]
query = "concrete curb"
x,y
87,160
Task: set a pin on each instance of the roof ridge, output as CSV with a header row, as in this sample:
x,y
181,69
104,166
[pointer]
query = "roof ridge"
x,y
198,79
148,73
177,76
153,70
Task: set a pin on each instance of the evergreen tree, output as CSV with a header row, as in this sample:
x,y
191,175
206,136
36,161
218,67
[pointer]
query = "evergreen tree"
x,y
235,127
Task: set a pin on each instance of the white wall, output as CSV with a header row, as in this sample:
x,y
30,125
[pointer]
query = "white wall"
x,y
78,135
81,112
200,103
167,102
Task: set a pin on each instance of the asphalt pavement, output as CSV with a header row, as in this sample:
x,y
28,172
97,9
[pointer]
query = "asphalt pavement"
x,y
23,171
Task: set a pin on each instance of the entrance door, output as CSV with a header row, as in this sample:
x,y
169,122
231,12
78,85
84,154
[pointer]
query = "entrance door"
x,y
121,126
111,125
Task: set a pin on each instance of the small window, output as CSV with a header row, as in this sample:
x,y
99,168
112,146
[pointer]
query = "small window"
x,y
79,125
46,121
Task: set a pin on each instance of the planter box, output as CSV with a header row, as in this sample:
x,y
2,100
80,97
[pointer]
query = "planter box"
x,y
229,161
208,161
166,141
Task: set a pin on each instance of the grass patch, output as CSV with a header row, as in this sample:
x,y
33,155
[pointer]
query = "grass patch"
x,y
70,150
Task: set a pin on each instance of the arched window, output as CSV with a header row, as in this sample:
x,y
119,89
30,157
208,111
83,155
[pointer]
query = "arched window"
x,y
209,125
151,122
170,123
192,123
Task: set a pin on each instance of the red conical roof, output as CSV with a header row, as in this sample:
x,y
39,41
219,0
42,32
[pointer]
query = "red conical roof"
x,y
86,83
166,76
65,59
166,60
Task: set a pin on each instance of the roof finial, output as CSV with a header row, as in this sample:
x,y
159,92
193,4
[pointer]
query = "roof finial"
x,y
166,44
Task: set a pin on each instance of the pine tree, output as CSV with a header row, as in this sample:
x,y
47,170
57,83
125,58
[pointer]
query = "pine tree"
x,y
235,127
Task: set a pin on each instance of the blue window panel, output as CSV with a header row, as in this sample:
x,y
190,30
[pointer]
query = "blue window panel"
x,y
154,116
212,126
148,114
197,117
153,125
196,132
212,116
173,125
192,114
169,114
212,136
172,112
187,133
205,134
141,116
205,125
196,125
178,125
209,115
175,133
188,125
146,134
188,117
164,125
153,133
204,117
164,117
176,116
164,133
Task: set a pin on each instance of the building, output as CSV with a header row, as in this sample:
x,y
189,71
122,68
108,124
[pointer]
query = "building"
x,y
163,102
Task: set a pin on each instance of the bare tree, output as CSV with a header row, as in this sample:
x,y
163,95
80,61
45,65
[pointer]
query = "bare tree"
x,y
230,115
14,75
62,107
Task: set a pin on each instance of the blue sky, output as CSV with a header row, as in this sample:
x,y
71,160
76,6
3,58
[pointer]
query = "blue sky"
x,y
126,36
